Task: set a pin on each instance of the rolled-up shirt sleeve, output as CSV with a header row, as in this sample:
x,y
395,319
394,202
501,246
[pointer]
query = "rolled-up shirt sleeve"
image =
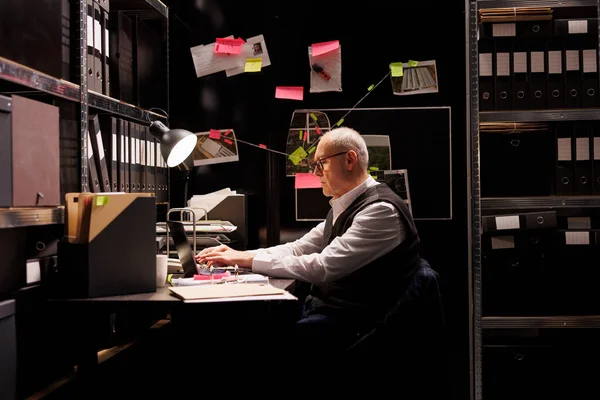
x,y
375,231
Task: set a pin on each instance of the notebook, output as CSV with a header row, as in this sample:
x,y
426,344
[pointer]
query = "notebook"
x,y
225,291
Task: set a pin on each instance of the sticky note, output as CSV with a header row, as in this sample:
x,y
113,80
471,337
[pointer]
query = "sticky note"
x,y
374,168
311,150
101,200
324,47
289,92
227,132
307,180
318,130
227,141
300,135
229,46
371,87
262,146
412,63
305,136
253,65
298,155
340,122
313,116
214,134
396,69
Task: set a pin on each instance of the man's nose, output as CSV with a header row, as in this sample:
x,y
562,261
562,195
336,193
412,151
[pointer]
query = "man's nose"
x,y
317,172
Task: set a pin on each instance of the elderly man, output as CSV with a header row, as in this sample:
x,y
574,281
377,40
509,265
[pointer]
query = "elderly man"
x,y
354,260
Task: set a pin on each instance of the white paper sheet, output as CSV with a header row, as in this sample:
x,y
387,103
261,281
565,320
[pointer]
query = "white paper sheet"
x,y
255,47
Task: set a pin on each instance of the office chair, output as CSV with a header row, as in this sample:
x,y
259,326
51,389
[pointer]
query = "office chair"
x,y
408,347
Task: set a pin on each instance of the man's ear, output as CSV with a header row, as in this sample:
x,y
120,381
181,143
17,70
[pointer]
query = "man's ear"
x,y
351,160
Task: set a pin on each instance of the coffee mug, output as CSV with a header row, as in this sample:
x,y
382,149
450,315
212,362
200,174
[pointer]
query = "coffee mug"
x,y
161,270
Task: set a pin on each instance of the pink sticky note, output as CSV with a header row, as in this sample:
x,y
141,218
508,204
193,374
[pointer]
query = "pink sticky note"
x,y
229,46
227,141
262,146
305,136
324,47
307,181
289,92
228,132
318,130
214,134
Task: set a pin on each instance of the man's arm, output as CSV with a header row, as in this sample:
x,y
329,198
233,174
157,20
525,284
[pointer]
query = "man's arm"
x,y
374,232
312,242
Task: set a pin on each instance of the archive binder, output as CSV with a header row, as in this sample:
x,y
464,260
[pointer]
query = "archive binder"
x,y
98,47
555,83
583,164
520,77
93,268
564,160
537,81
502,52
486,75
99,154
524,221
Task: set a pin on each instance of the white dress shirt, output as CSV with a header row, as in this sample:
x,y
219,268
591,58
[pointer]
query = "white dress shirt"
x,y
375,231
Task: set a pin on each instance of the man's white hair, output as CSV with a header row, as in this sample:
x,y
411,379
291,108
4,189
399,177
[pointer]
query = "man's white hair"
x,y
344,139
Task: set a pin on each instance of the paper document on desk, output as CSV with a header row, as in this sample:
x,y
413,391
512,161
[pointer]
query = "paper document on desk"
x,y
201,202
245,278
225,291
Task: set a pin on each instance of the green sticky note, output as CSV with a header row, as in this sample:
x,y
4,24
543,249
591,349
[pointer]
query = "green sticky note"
x,y
397,69
374,168
412,63
313,116
371,87
298,155
101,200
300,135
310,151
340,122
169,277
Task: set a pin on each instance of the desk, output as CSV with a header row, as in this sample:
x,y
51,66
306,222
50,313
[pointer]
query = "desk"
x,y
238,319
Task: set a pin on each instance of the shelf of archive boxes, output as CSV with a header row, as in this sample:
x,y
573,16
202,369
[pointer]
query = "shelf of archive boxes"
x,y
484,4
539,202
545,115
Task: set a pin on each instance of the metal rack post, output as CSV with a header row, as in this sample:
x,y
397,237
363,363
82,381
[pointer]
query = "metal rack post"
x,y
83,93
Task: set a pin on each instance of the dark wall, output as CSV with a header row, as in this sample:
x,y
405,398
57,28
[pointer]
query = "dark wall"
x,y
372,35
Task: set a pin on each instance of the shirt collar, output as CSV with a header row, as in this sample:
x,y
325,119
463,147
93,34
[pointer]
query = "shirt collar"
x,y
340,204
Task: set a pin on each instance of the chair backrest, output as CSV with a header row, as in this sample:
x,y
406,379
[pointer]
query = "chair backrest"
x,y
412,336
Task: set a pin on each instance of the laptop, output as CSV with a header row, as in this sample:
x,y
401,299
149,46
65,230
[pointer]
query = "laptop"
x,y
184,249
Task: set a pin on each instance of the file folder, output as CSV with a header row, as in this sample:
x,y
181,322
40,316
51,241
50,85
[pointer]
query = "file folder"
x,y
98,47
572,78
123,186
110,138
520,77
93,178
503,50
589,89
105,51
564,161
555,83
99,154
486,75
596,158
537,81
583,163
91,74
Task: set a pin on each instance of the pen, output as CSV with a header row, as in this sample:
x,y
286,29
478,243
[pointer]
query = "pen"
x,y
319,70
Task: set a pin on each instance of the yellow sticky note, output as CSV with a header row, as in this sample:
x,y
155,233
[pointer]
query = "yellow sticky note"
x,y
340,122
253,65
169,277
310,151
374,168
313,116
412,63
371,87
298,155
397,69
101,200
300,135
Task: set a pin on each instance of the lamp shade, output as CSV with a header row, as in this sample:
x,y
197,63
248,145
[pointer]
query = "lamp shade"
x,y
176,145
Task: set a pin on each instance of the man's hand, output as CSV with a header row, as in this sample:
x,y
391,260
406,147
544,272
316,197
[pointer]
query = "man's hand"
x,y
223,255
215,249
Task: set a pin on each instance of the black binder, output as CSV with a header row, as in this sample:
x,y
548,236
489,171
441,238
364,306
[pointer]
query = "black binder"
x,y
99,154
91,73
98,47
503,70
537,74
105,51
520,76
110,139
564,160
583,164
555,74
595,132
486,75
93,178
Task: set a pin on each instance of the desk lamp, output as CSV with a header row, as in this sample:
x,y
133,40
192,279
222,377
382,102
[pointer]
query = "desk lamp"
x,y
176,145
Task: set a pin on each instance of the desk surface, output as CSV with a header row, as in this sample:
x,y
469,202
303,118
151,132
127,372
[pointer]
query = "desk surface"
x,y
164,295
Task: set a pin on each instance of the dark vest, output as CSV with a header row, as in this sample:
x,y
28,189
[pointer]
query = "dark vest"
x,y
367,293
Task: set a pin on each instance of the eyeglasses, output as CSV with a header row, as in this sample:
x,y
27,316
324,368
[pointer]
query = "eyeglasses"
x,y
319,163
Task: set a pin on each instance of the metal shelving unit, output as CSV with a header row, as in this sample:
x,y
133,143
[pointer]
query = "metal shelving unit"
x,y
551,322
541,115
22,75
476,204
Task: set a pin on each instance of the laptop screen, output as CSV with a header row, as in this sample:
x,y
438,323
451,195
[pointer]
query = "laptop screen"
x,y
184,249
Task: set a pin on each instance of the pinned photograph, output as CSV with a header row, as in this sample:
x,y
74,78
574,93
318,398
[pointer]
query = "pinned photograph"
x,y
414,77
325,62
306,128
397,180
380,153
215,147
